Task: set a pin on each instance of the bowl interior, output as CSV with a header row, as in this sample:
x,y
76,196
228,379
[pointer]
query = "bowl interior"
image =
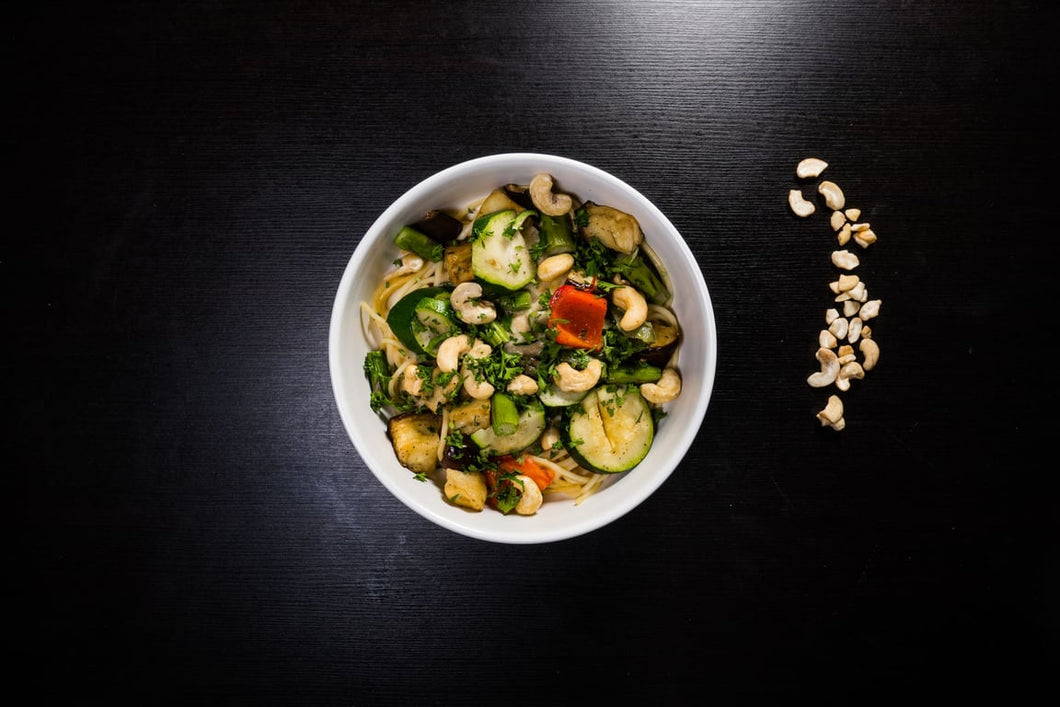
x,y
558,519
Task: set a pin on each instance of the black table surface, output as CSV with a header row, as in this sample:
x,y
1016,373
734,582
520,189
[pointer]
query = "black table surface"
x,y
193,525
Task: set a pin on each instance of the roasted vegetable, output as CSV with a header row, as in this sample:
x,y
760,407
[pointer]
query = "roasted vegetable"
x,y
610,430
415,438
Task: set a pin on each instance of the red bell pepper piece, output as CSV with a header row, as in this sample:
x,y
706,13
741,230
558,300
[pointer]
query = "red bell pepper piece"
x,y
577,315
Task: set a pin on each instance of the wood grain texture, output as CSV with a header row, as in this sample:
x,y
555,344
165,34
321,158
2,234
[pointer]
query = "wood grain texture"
x,y
192,523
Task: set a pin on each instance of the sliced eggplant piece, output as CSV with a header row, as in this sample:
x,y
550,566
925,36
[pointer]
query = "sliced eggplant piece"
x,y
439,225
616,229
415,437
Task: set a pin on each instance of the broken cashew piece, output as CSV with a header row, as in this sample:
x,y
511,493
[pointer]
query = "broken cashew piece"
x,y
833,195
545,200
522,384
850,371
845,260
667,388
634,306
829,368
810,167
799,205
832,415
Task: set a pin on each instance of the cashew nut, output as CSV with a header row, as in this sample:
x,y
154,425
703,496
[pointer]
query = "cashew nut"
x,y
549,438
634,305
845,259
554,267
832,415
468,306
411,382
843,236
545,200
854,330
833,195
475,388
450,351
810,167
829,369
851,307
850,371
870,309
531,498
837,220
839,328
667,388
826,339
865,238
871,351
410,263
845,355
569,379
799,205
852,214
522,384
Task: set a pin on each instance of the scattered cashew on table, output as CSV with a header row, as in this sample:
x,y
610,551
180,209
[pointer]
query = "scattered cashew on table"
x,y
839,362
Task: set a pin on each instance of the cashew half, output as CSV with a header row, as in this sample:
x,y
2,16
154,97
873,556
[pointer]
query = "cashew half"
x,y
871,351
829,369
810,167
667,388
845,259
522,384
799,205
468,306
545,200
569,379
634,305
833,195
554,267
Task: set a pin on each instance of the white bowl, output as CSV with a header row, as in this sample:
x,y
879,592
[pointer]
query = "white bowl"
x,y
558,518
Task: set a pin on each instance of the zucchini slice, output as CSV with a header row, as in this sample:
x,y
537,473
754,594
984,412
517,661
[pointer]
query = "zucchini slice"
x,y
553,397
407,323
499,252
610,430
531,425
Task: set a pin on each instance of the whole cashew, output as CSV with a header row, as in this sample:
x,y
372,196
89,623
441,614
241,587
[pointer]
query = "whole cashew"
x,y
667,388
569,379
465,300
477,389
545,200
635,306
450,351
410,263
531,498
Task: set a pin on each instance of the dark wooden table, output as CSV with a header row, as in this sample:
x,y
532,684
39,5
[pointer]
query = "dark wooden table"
x,y
191,522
